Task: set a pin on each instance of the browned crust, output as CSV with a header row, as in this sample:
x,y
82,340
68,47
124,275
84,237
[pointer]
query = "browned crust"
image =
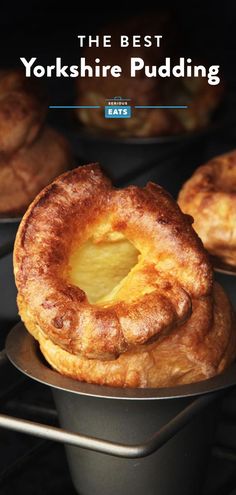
x,y
27,171
31,155
174,267
210,197
22,111
199,349
149,123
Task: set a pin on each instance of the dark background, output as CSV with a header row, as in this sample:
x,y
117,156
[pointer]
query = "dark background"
x,y
46,30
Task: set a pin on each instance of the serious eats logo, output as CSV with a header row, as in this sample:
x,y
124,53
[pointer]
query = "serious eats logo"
x,y
117,108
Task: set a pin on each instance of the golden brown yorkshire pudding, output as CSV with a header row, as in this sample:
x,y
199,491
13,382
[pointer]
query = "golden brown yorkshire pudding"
x,y
116,286
26,172
210,197
22,111
31,154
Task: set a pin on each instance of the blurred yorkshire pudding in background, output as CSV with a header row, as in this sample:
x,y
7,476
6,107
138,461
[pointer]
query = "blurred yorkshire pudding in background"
x,y
210,197
201,98
31,154
22,110
116,286
25,173
196,93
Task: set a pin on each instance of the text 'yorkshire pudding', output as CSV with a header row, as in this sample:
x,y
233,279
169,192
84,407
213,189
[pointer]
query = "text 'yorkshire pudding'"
x,y
116,286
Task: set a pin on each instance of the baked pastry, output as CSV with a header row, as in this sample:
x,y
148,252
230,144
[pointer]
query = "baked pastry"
x,y
117,287
22,111
210,197
31,154
201,97
27,171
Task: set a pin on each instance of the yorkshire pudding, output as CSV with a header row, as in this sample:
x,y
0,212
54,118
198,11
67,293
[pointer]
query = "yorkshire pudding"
x,y
210,197
116,286
26,172
31,154
22,111
201,98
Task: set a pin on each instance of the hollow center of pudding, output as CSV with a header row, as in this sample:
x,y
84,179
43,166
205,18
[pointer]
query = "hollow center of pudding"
x,y
98,268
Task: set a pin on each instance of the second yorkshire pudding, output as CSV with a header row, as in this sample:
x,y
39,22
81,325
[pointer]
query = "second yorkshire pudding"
x,y
26,172
31,153
201,97
116,286
22,111
210,197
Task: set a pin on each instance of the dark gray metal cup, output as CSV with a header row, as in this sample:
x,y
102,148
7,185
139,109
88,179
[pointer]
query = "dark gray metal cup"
x,y
126,441
177,468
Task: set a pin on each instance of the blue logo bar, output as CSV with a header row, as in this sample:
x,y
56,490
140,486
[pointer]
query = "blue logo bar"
x,y
117,112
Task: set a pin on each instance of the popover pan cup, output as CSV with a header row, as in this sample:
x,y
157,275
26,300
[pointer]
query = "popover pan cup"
x,y
8,308
121,155
225,275
156,440
127,156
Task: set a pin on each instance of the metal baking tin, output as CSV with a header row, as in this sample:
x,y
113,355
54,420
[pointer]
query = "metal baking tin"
x,y
225,275
23,352
121,155
8,309
221,267
10,220
125,440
